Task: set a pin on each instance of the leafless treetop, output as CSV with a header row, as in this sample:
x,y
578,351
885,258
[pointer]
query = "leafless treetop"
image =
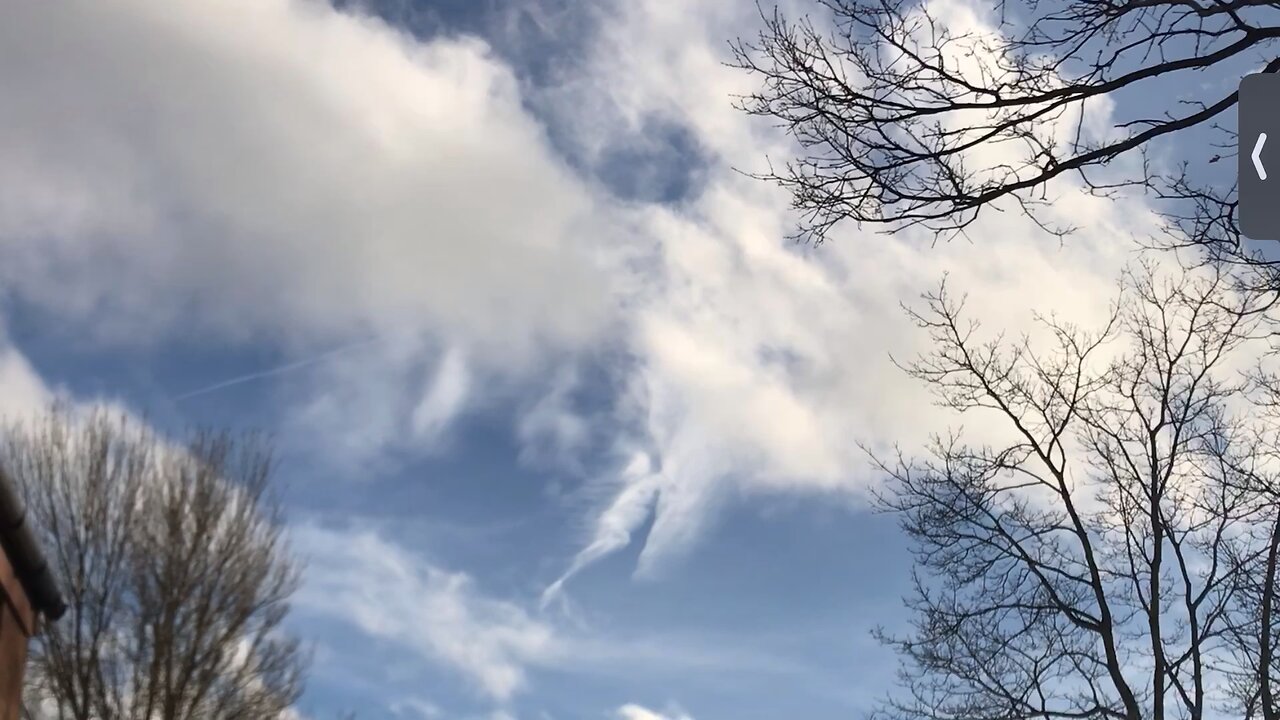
x,y
904,119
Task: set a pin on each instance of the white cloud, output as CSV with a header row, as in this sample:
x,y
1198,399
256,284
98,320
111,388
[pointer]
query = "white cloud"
x,y
551,428
275,169
22,390
416,707
281,162
761,365
613,526
444,400
632,711
394,596
388,592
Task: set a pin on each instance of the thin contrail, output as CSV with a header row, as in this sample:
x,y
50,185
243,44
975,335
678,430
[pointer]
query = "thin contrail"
x,y
276,370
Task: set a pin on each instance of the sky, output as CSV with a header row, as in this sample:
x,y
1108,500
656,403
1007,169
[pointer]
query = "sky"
x,y
568,428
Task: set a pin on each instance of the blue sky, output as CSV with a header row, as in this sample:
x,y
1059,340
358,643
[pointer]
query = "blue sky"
x,y
567,428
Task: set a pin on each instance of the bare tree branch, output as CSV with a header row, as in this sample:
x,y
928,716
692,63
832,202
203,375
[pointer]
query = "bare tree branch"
x,y
1101,562
902,120
176,572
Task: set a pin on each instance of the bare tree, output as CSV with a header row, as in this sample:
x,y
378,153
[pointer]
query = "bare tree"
x,y
174,566
1257,635
1116,556
889,104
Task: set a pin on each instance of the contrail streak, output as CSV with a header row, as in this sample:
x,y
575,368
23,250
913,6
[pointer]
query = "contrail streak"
x,y
280,370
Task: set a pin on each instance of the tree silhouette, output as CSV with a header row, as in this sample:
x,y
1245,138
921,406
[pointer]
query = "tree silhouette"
x,y
898,115
173,564
1114,556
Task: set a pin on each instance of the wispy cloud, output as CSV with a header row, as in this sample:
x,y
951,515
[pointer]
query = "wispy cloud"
x,y
632,711
257,168
760,366
417,708
393,595
322,174
278,370
308,174
22,390
444,400
445,617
